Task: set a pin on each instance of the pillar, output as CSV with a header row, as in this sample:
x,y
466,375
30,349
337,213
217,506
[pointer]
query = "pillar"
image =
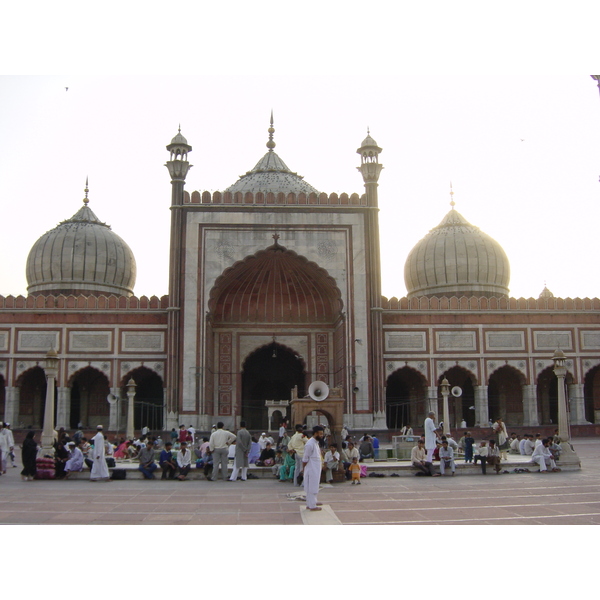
x,y
482,415
51,370
432,401
131,385
63,407
577,404
530,408
11,406
114,414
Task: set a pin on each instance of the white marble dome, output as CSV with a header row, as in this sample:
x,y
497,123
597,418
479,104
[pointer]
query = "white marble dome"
x,y
81,255
457,259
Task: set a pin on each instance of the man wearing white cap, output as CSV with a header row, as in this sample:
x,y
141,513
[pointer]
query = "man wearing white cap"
x,y
99,470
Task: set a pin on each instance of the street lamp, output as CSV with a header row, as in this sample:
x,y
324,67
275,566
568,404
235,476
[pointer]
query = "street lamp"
x,y
51,371
131,385
445,389
560,370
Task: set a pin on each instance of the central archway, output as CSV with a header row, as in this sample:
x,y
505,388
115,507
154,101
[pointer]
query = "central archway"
x,y
269,373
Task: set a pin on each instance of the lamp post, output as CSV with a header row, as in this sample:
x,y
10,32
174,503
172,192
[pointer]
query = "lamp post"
x,y
131,385
51,371
445,389
560,370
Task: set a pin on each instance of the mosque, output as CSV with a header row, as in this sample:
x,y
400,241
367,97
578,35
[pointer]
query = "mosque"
x,y
274,285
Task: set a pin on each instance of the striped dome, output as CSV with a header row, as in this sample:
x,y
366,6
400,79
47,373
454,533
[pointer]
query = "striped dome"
x,y
457,259
81,256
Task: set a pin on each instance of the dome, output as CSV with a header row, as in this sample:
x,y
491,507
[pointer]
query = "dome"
x,y
271,174
81,256
457,259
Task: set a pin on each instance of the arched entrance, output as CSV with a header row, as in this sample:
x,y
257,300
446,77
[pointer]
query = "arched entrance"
x,y
460,408
149,399
505,395
3,399
591,393
547,395
89,406
406,392
32,397
269,373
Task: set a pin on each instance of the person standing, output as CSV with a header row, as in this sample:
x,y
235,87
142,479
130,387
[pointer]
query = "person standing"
x,y
28,456
242,451
502,442
5,447
219,443
311,468
430,436
11,443
297,444
99,470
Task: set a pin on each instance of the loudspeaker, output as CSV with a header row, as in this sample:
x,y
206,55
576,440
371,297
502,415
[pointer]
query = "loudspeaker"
x,y
456,391
318,390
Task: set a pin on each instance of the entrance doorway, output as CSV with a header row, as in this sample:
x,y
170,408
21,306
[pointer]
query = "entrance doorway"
x,y
269,373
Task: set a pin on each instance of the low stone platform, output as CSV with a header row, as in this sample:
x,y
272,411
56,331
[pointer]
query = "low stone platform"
x,y
387,468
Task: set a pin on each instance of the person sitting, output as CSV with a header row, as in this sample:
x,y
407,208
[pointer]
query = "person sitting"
x,y
288,468
61,456
278,463
75,461
447,458
451,442
515,441
332,462
184,461
493,457
147,464
418,458
348,455
254,451
166,462
267,457
366,449
529,445
555,449
543,457
481,455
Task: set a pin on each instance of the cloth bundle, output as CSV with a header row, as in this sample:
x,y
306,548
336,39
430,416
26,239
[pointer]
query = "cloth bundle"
x,y
45,468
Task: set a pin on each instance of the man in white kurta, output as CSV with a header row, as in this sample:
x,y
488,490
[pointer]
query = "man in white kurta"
x,y
543,457
99,470
311,468
430,436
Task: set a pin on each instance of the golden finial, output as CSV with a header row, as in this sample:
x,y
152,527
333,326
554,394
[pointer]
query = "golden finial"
x,y
86,199
452,203
271,143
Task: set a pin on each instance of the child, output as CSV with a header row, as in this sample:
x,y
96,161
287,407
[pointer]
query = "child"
x,y
354,469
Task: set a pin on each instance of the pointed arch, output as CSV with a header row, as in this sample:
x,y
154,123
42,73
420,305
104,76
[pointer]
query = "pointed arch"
x,y
32,386
460,408
591,394
405,398
89,390
547,395
505,394
149,408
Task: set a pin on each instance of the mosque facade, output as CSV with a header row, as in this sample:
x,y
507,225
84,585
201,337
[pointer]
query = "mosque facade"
x,y
274,285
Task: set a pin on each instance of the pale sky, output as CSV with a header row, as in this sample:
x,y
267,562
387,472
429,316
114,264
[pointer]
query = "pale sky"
x,y
446,101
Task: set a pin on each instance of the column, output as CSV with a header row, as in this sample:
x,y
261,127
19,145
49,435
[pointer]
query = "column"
x,y
51,369
114,409
530,408
432,402
482,415
577,404
131,385
63,407
11,406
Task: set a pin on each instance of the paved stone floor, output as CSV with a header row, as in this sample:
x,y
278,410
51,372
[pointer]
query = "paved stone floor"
x,y
567,498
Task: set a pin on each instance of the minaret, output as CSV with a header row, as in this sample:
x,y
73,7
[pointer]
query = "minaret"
x,y
178,166
370,169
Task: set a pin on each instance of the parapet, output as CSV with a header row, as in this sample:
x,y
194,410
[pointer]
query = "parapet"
x,y
270,199
60,302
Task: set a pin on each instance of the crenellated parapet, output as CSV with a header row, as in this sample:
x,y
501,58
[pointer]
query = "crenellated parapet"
x,y
60,302
271,199
474,303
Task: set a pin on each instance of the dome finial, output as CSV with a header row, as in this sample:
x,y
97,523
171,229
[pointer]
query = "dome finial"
x,y
86,190
452,203
271,143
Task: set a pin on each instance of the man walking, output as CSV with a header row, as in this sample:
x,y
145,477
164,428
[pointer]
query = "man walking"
x,y
297,444
219,443
311,465
99,469
242,450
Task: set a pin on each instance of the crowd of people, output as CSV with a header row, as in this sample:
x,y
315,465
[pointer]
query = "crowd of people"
x,y
175,457
435,446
